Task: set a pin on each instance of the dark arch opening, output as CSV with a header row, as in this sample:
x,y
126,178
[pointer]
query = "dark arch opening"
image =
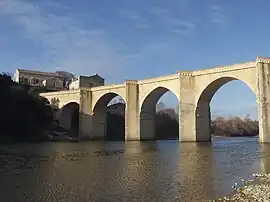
x,y
69,118
158,122
109,118
222,123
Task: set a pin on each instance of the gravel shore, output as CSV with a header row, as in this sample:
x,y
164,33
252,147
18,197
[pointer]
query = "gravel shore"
x,y
256,189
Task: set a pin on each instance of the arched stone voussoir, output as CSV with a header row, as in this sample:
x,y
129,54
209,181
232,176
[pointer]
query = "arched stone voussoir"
x,y
104,95
208,85
151,95
64,104
147,112
67,113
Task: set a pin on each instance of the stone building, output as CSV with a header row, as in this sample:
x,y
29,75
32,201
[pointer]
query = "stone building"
x,y
55,80
86,82
59,80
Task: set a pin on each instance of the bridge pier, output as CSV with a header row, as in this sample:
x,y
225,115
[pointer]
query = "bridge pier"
x,y
187,122
147,125
132,111
187,107
85,115
263,98
203,122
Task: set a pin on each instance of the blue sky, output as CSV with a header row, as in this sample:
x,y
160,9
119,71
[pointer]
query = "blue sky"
x,y
136,39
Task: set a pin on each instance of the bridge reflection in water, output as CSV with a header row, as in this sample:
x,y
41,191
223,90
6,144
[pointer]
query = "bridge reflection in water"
x,y
118,171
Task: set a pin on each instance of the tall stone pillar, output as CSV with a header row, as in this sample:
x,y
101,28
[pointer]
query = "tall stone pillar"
x,y
147,123
203,122
132,111
187,108
85,115
263,98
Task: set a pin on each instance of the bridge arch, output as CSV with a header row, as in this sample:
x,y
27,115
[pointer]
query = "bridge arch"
x,y
147,114
69,117
203,112
109,117
103,93
148,88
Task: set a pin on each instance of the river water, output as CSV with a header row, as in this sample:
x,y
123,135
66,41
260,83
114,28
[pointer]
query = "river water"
x,y
132,171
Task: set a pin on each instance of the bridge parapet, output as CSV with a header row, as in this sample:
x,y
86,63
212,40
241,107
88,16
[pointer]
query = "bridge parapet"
x,y
131,81
158,79
59,93
221,69
263,60
107,87
186,73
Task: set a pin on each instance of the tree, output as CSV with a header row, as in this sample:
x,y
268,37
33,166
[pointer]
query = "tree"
x,y
23,115
235,126
55,102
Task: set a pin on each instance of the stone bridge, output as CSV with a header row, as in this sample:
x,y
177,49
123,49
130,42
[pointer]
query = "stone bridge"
x,y
193,89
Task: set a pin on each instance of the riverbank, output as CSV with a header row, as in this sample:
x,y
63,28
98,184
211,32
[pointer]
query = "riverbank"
x,y
256,189
53,133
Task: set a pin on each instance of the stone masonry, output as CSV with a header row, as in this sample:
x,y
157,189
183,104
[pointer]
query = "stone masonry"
x,y
193,89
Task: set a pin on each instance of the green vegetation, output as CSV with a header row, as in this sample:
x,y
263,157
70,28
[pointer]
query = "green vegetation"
x,y
24,114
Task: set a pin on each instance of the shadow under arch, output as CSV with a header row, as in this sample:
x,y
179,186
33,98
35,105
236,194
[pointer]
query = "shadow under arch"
x,y
69,117
203,112
148,114
109,121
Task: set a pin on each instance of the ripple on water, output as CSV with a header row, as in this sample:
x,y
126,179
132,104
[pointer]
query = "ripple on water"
x,y
131,171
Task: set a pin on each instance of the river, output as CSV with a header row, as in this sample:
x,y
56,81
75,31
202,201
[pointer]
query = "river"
x,y
132,171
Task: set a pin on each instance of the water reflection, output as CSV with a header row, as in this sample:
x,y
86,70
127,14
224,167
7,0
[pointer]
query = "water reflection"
x,y
235,159
131,171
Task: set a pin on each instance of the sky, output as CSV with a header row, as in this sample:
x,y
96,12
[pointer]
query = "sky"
x,y
137,39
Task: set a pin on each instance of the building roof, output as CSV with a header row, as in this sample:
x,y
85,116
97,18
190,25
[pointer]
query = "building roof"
x,y
96,75
51,74
61,74
37,72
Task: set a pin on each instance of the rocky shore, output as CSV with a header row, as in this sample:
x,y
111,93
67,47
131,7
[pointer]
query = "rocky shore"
x,y
58,133
256,189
